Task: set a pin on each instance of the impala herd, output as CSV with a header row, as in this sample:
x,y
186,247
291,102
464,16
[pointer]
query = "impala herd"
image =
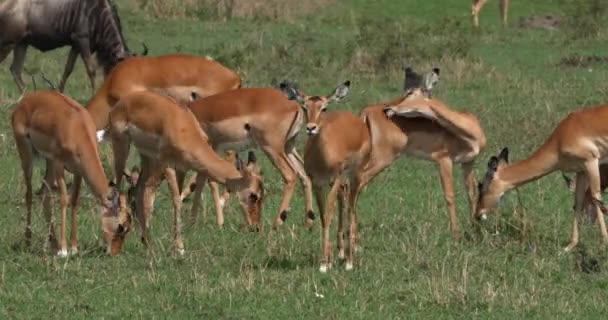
x,y
183,112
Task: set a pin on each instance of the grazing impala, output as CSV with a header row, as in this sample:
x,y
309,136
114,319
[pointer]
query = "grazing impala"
x,y
478,4
181,76
334,158
167,134
262,117
426,128
51,125
578,144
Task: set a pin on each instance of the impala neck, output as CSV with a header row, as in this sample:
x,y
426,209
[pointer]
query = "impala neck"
x,y
456,122
539,164
92,171
99,109
218,169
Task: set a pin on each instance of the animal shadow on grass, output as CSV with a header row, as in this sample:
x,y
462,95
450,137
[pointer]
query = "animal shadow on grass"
x,y
587,262
290,263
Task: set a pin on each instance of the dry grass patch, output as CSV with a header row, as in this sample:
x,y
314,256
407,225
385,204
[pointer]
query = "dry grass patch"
x,y
281,10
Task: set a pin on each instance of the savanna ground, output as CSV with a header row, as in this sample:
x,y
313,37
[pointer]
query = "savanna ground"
x,y
519,82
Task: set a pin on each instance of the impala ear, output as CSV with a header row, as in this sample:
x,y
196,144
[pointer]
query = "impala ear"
x,y
411,80
292,93
340,92
430,80
239,163
251,158
504,155
492,164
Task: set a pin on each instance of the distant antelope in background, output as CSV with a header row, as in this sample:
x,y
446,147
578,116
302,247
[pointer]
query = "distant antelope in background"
x,y
478,4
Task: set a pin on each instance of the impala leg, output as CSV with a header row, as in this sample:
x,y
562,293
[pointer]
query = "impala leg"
x,y
593,174
48,207
63,197
342,211
469,182
280,161
320,196
504,11
297,164
199,184
445,171
151,174
477,5
25,155
77,180
327,216
217,202
189,187
19,53
178,241
353,196
69,67
579,199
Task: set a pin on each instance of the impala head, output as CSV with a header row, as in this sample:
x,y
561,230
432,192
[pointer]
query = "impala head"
x,y
315,106
417,94
416,85
115,220
492,188
251,195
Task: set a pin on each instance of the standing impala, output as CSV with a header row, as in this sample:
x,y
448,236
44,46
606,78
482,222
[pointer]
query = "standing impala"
x,y
262,117
424,127
181,76
478,4
57,128
167,135
334,158
578,144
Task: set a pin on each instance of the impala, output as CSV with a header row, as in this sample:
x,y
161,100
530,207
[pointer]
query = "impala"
x,y
181,76
57,128
335,159
478,4
578,144
424,127
262,117
167,135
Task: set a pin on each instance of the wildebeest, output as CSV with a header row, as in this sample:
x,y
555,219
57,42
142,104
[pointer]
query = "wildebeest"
x,y
88,26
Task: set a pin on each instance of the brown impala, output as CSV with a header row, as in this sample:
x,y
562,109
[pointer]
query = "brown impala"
x,y
578,144
424,127
167,135
57,128
335,159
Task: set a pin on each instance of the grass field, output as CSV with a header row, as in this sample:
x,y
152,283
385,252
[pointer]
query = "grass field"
x,y
410,267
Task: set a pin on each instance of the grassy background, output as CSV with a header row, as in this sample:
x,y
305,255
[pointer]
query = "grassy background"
x,y
511,78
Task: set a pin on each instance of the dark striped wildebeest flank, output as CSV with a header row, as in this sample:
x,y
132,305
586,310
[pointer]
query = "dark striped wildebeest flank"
x,y
88,26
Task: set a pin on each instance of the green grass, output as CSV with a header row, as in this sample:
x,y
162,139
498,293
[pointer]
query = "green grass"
x,y
410,266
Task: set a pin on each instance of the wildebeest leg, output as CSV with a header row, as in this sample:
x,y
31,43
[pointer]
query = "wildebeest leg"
x,y
69,67
4,51
17,65
87,58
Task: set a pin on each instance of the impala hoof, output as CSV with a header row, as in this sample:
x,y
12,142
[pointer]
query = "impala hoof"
x,y
348,266
74,251
323,268
62,253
